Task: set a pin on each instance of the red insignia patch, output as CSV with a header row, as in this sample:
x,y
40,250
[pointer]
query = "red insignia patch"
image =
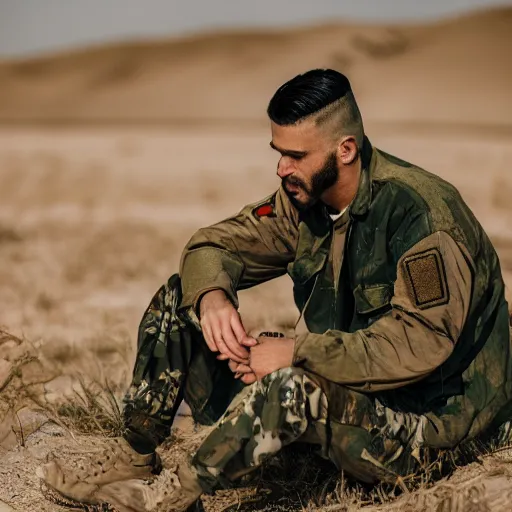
x,y
264,210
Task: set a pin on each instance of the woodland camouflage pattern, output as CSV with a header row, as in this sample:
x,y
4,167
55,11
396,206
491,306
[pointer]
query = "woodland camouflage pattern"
x,y
403,345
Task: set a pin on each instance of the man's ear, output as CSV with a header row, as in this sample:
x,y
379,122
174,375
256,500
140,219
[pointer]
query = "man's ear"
x,y
348,150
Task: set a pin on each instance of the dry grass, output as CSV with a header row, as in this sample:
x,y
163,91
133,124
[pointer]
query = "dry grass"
x,y
297,477
92,223
93,410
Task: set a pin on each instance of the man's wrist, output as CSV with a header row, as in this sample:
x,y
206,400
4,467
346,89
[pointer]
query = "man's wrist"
x,y
201,296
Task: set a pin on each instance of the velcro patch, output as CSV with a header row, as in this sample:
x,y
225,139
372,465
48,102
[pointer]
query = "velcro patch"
x,y
266,209
427,279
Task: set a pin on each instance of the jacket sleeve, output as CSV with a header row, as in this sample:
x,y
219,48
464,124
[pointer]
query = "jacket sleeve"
x,y
249,248
430,304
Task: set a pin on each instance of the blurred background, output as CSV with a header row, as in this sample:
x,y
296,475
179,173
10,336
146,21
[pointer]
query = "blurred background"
x,y
126,125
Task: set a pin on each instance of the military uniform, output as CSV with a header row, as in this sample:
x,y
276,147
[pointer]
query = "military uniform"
x,y
403,343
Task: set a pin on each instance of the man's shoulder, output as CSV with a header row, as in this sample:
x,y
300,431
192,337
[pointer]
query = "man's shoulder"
x,y
404,174
423,187
402,183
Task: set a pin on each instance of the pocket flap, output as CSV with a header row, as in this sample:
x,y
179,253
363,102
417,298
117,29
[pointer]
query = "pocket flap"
x,y
308,265
371,298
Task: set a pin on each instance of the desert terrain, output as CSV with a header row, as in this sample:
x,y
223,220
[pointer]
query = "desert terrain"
x,y
111,158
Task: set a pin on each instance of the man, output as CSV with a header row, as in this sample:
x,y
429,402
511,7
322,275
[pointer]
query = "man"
x,y
402,347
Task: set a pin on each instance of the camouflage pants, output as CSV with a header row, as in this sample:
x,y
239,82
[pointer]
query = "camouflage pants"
x,y
362,437
173,363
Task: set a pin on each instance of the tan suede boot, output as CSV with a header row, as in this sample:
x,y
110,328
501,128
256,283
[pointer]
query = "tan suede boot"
x,y
169,492
79,479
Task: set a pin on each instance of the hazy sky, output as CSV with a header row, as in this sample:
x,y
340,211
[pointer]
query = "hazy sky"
x,y
35,26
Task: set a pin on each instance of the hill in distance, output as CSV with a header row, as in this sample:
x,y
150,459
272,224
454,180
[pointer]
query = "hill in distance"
x,y
456,72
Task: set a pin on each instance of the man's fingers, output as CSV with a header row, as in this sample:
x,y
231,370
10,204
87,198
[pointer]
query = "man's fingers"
x,y
249,342
243,368
237,326
249,378
223,348
240,333
232,365
208,337
229,338
220,336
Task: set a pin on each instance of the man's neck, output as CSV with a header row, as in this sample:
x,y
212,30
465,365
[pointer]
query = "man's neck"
x,y
340,195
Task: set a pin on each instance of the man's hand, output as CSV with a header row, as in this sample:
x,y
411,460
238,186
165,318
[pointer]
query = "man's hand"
x,y
270,355
222,327
242,372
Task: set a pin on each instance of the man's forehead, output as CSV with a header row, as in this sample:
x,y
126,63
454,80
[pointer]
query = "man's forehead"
x,y
297,136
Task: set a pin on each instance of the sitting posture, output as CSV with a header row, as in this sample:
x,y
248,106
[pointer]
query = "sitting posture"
x,y
402,347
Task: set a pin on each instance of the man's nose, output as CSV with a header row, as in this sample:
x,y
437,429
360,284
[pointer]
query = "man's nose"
x,y
284,168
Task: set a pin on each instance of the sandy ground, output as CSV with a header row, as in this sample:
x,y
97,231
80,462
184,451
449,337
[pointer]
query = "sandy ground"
x,y
92,221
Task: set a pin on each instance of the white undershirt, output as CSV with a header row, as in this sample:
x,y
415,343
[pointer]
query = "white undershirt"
x,y
336,216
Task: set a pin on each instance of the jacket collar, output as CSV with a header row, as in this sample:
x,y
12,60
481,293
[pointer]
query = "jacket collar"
x,y
363,198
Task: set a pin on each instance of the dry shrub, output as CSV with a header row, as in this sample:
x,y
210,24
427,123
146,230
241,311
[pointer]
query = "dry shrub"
x,y
88,407
93,409
22,378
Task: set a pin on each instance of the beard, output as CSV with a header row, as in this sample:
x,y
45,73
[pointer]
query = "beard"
x,y
321,180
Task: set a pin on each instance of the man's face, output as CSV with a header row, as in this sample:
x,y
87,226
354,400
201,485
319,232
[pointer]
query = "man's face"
x,y
308,165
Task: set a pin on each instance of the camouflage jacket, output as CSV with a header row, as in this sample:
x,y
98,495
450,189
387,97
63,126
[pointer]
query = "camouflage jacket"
x,y
411,308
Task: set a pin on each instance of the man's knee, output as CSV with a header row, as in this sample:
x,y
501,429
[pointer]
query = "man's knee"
x,y
284,400
368,456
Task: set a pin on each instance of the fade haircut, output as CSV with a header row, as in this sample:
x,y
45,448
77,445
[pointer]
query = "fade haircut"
x,y
325,95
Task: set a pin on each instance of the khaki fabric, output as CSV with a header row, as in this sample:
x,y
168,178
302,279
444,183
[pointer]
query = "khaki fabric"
x,y
408,342
241,251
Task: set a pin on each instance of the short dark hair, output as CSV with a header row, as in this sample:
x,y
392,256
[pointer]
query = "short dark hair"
x,y
306,94
325,92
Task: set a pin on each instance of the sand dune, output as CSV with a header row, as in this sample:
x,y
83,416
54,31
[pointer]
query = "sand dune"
x,y
413,74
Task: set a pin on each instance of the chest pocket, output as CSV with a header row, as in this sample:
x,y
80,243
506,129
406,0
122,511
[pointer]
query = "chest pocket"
x,y
304,272
311,256
371,302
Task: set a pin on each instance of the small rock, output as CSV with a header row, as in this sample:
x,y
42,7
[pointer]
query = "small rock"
x,y
29,421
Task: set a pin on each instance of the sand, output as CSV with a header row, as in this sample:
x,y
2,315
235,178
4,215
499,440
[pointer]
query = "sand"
x,y
94,212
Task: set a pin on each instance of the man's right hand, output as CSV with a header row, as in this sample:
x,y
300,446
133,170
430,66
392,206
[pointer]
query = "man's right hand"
x,y
222,327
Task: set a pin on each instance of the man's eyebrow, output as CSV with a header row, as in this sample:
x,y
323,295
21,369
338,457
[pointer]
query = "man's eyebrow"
x,y
288,152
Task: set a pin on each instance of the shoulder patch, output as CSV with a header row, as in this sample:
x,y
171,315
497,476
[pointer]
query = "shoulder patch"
x,y
265,208
426,274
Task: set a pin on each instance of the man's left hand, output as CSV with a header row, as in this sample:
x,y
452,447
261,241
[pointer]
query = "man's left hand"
x,y
270,355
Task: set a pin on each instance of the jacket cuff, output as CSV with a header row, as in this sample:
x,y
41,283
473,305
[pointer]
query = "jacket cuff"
x,y
206,269
299,354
